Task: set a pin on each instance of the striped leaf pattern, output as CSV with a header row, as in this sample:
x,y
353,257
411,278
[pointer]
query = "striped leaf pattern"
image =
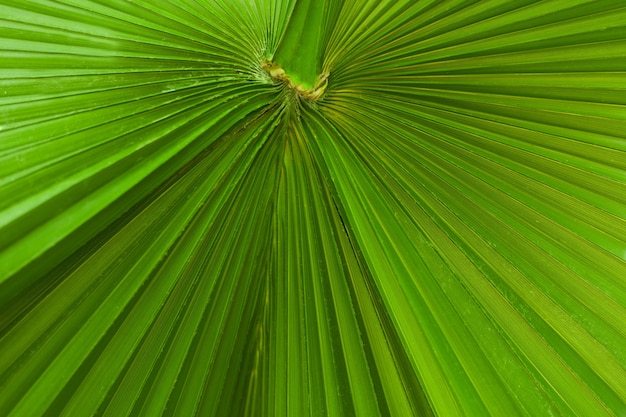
x,y
441,233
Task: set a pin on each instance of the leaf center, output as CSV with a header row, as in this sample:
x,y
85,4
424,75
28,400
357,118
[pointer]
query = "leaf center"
x,y
278,74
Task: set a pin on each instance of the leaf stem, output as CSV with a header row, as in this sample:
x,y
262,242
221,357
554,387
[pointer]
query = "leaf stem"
x,y
300,52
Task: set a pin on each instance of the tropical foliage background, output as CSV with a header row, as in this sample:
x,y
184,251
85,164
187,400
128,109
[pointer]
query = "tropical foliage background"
x,y
440,232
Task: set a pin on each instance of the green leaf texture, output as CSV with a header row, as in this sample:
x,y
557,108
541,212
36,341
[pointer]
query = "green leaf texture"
x,y
441,233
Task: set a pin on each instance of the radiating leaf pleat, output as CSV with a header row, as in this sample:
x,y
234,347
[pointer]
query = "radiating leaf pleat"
x,y
441,232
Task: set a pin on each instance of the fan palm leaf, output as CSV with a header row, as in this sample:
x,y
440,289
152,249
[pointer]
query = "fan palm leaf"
x,y
291,208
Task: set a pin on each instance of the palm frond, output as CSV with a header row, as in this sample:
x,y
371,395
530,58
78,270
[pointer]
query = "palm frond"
x,y
434,228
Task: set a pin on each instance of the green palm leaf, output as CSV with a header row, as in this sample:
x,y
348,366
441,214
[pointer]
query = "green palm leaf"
x,y
290,208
